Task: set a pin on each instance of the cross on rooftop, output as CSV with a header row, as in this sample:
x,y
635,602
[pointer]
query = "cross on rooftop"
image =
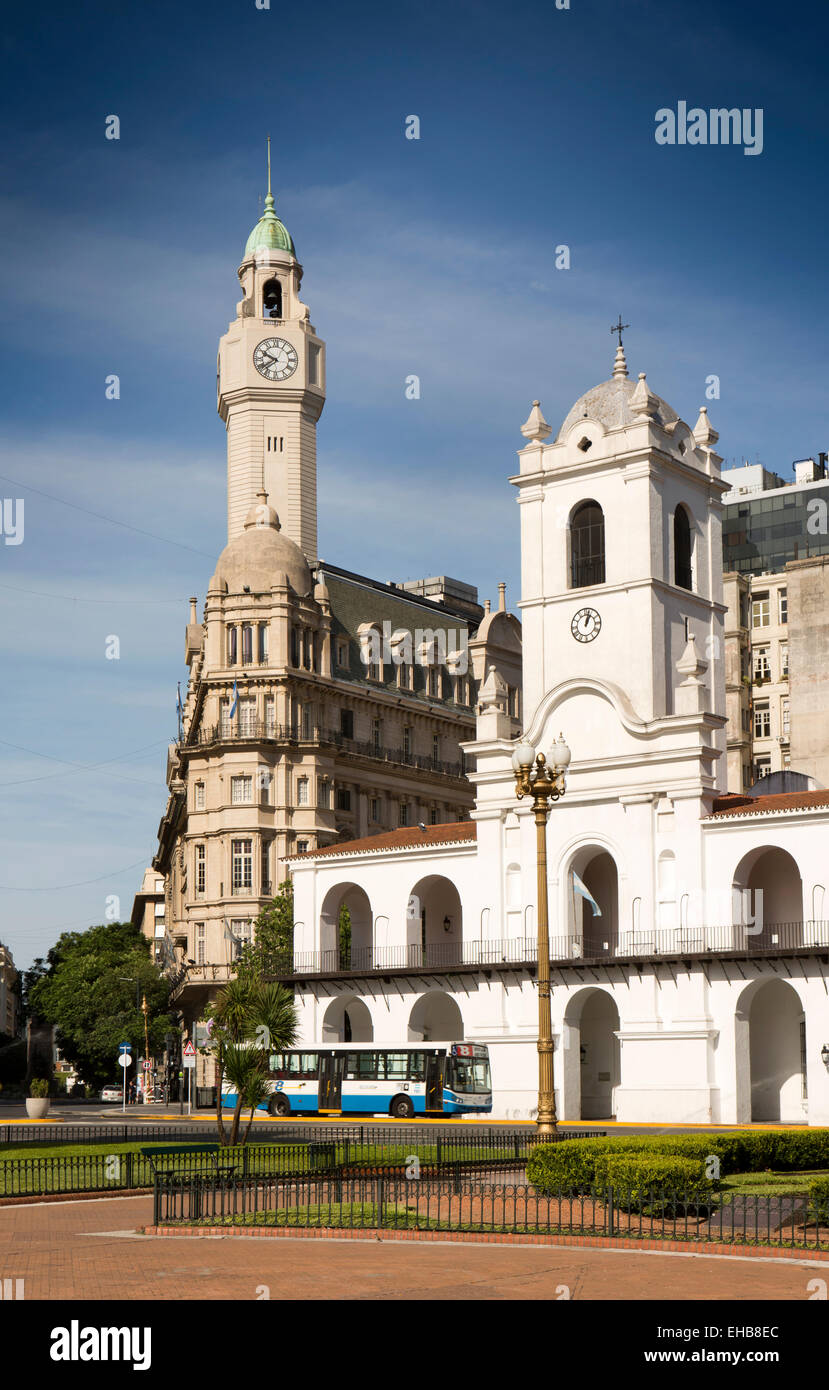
x,y
619,328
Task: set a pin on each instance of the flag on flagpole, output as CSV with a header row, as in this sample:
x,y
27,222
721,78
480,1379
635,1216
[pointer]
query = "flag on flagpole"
x,y
234,702
179,705
585,893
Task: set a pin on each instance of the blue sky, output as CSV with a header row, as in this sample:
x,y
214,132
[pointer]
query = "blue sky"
x,y
434,256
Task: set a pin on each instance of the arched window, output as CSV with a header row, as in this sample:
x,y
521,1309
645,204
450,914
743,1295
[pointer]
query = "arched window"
x,y
272,300
587,545
682,549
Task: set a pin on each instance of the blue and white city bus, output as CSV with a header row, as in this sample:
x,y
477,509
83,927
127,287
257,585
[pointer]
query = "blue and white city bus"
x,y
370,1079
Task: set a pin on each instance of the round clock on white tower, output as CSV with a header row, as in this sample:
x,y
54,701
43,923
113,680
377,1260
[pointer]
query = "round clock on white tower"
x,y
586,625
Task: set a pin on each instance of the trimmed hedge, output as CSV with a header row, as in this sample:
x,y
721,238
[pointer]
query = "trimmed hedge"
x,y
643,1181
571,1164
819,1199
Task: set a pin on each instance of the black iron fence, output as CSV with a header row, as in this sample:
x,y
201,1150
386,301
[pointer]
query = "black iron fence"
x,y
277,1132
259,731
426,1203
337,1151
772,938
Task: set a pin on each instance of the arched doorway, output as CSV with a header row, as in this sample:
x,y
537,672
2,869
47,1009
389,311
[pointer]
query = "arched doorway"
x,y
434,923
599,932
771,1052
768,898
346,936
590,1057
435,1018
347,1019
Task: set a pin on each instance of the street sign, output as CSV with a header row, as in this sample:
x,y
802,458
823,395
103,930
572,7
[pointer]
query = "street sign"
x,y
189,1050
125,1047
189,1061
124,1060
148,1066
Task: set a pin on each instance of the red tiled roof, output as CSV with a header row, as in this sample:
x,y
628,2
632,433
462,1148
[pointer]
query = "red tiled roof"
x,y
411,837
733,805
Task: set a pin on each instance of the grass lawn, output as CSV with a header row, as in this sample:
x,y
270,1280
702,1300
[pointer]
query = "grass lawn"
x,y
770,1184
43,1168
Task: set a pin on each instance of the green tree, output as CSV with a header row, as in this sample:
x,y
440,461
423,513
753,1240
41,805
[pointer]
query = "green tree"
x,y
344,936
91,990
249,1018
272,948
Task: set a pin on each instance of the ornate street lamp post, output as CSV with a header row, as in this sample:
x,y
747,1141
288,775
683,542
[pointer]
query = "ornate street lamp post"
x,y
534,778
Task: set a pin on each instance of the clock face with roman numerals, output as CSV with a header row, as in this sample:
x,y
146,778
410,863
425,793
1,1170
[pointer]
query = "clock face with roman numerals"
x,y
586,625
275,359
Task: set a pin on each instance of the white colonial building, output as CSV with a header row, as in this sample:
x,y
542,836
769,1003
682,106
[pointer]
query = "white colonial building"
x,y
699,990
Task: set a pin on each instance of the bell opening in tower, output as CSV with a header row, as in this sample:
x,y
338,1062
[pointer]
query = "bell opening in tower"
x,y
272,300
587,545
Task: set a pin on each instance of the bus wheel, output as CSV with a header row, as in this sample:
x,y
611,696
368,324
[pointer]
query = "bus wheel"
x,y
402,1108
279,1104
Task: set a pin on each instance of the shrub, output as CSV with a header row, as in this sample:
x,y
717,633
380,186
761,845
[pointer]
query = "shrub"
x,y
819,1199
39,1088
652,1181
571,1164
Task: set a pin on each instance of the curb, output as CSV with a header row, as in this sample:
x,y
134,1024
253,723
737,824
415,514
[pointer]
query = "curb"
x,y
693,1247
27,1199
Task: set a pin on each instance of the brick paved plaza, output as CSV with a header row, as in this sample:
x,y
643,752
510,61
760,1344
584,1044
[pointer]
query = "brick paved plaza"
x,y
90,1250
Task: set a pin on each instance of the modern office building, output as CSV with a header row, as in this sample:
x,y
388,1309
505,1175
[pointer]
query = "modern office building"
x,y
775,545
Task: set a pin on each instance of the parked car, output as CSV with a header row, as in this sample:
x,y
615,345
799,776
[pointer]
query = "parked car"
x,y
113,1092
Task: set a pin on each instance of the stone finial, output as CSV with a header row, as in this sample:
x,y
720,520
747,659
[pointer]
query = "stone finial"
x,y
535,426
493,695
691,663
502,597
261,514
193,617
620,366
691,693
643,402
704,432
486,606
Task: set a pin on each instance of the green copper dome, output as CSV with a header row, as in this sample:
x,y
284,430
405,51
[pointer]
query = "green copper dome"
x,y
269,232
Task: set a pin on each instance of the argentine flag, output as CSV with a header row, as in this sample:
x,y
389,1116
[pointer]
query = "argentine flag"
x,y
585,893
234,702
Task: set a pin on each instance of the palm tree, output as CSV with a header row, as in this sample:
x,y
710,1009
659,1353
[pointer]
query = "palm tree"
x,y
251,1019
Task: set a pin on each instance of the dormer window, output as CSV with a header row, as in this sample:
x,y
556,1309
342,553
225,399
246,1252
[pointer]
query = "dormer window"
x,y
272,300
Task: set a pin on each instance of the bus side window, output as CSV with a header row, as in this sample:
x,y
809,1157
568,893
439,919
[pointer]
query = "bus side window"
x,y
352,1066
417,1070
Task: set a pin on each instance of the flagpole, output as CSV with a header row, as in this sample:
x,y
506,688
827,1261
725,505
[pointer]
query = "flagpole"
x,y
178,710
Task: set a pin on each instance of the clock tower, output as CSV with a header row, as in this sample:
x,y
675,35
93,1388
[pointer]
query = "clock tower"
x,y
622,560
271,387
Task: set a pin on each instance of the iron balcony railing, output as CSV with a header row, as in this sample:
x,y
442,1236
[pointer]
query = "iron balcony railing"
x,y
259,731
770,939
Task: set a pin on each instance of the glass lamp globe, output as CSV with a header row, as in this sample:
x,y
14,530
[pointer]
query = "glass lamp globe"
x,y
561,754
523,757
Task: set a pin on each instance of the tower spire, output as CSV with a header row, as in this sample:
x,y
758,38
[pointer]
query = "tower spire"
x,y
269,164
620,366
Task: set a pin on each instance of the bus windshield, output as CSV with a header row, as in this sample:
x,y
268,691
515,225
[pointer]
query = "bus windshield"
x,y
465,1075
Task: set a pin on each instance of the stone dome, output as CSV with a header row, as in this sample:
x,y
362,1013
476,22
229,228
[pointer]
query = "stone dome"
x,y
609,403
261,555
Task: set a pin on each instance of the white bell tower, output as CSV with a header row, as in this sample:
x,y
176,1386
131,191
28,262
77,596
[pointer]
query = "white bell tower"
x,y
271,387
621,552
